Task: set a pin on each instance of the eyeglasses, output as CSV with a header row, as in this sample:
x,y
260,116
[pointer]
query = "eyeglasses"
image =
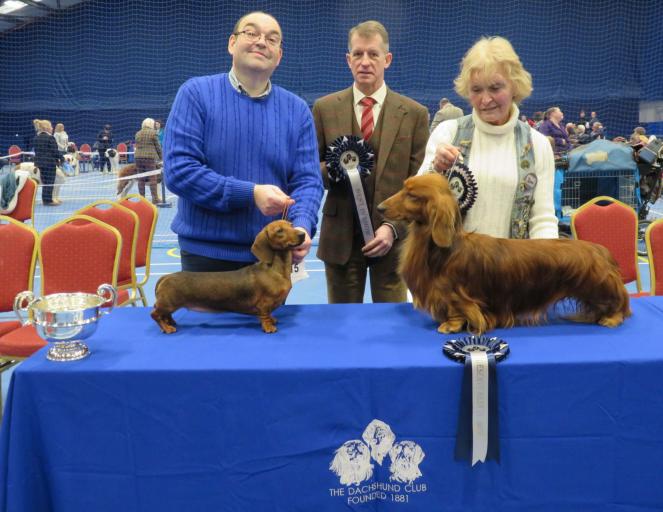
x,y
252,36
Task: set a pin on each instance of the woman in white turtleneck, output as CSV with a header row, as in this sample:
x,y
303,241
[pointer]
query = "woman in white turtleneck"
x,y
493,80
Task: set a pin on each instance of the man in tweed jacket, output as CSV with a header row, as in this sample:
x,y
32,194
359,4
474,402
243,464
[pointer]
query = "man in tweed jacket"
x,y
399,138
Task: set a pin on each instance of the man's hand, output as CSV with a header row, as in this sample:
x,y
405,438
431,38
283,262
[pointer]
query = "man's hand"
x,y
381,244
271,200
300,252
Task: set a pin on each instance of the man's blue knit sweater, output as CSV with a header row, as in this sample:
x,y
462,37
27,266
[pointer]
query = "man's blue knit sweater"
x,y
218,145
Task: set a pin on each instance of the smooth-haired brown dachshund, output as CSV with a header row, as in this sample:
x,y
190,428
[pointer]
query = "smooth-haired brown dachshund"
x,y
255,290
479,282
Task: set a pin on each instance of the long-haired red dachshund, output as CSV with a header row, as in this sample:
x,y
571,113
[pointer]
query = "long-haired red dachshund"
x,y
478,282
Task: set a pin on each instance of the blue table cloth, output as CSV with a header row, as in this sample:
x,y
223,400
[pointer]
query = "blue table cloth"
x,y
221,417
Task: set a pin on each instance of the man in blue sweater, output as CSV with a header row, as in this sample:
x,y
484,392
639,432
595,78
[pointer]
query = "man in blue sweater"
x,y
238,151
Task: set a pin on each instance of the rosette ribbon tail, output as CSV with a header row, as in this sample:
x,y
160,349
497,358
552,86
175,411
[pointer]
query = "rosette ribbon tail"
x,y
350,159
361,206
477,436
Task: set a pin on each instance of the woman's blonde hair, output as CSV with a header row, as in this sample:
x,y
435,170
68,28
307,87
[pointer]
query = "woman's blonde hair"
x,y
42,125
148,122
494,55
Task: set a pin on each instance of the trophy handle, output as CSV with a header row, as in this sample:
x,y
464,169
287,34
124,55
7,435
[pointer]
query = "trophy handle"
x,y
106,291
23,302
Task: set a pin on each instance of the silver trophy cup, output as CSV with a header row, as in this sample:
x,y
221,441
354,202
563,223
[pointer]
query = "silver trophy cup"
x,y
65,319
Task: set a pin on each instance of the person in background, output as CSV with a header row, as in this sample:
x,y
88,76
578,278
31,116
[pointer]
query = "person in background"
x,y
582,120
104,142
507,158
240,152
582,137
597,131
527,120
447,111
571,132
47,158
397,129
158,126
537,119
61,138
639,137
554,128
147,153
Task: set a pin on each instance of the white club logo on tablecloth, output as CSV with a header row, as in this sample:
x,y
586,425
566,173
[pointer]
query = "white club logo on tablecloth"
x,y
352,461
405,459
353,464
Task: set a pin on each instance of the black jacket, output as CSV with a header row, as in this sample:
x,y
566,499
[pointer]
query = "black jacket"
x,y
104,140
47,154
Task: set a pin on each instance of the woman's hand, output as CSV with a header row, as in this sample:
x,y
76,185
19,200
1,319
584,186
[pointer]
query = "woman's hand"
x,y
445,156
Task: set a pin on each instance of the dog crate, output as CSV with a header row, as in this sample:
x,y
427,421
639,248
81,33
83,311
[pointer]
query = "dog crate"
x,y
581,186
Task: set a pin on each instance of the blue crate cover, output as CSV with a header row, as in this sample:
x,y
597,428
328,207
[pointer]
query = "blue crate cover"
x,y
602,155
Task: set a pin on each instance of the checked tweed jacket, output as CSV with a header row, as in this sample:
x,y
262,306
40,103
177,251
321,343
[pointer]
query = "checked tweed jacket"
x,y
147,144
401,132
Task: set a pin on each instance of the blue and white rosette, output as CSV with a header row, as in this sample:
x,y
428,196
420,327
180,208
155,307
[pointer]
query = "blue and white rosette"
x,y
350,158
462,185
477,436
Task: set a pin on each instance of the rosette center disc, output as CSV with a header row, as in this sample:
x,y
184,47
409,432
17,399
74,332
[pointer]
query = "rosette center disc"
x,y
462,185
349,160
460,349
457,187
475,348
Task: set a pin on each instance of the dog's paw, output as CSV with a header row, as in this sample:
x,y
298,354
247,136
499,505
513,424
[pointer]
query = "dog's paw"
x,y
450,327
168,329
612,321
269,329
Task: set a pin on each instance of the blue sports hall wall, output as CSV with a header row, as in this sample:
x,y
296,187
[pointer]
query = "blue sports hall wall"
x,y
120,61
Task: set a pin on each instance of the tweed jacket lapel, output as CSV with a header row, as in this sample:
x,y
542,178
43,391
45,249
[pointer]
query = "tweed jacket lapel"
x,y
344,110
392,115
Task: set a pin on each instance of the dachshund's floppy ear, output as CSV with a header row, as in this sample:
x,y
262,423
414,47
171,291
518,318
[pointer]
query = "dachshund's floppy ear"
x,y
261,248
443,219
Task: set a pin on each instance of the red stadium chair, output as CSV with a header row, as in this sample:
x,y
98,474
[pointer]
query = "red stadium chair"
x,y
18,256
78,254
122,153
17,266
85,157
25,204
127,223
654,241
15,154
614,225
148,215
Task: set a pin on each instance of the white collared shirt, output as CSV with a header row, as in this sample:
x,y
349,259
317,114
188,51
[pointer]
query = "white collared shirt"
x,y
378,96
237,85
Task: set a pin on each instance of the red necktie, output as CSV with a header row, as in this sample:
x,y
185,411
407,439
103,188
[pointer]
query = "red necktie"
x,y
367,117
